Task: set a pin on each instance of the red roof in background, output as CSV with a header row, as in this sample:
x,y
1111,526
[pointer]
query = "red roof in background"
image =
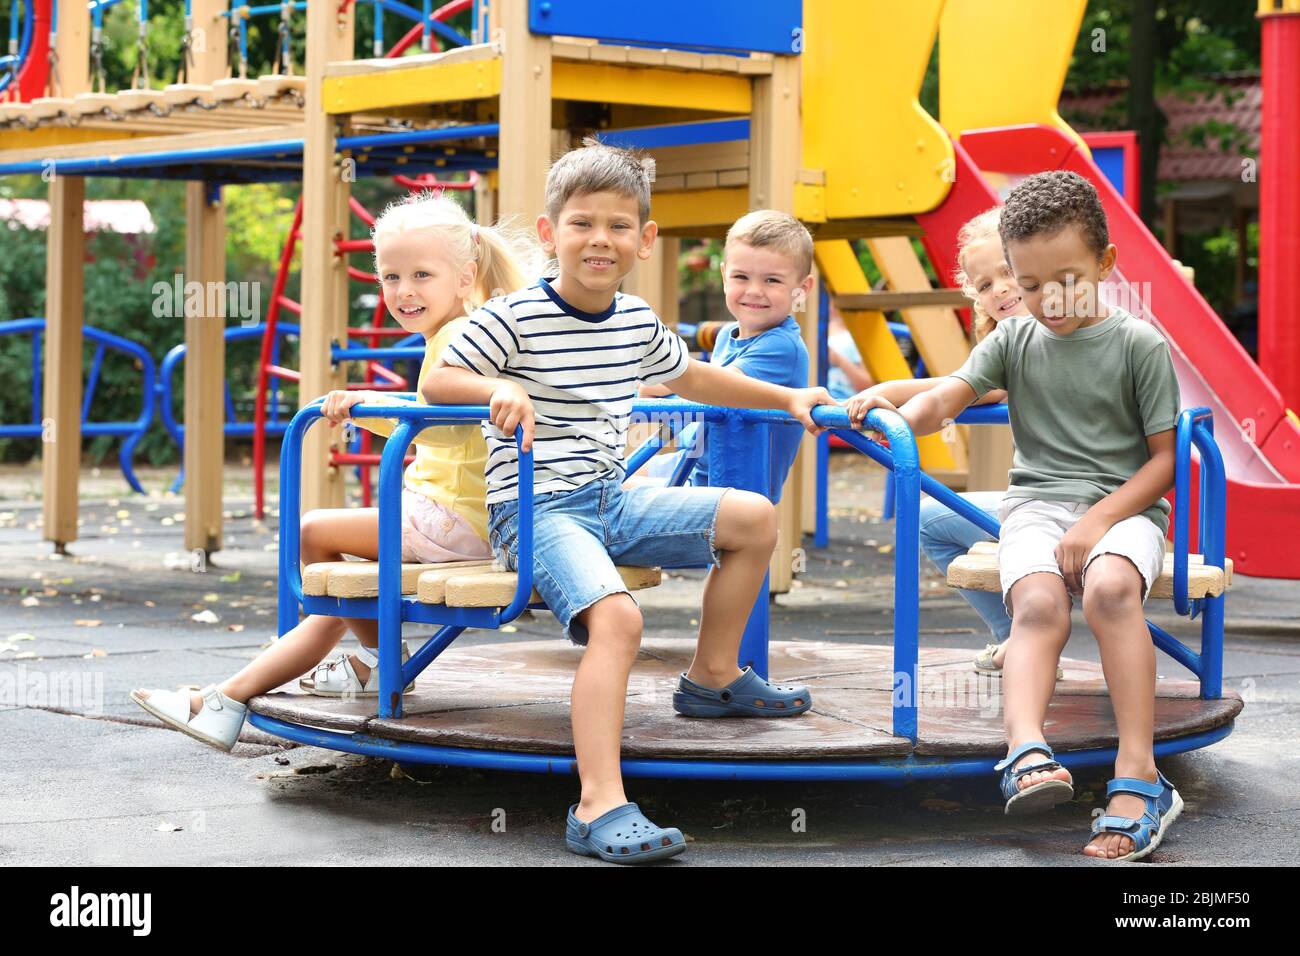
x,y
1235,103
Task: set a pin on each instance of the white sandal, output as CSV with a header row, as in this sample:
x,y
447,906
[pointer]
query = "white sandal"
x,y
218,724
336,678
984,663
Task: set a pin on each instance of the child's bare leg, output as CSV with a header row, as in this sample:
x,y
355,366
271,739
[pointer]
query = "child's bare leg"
x,y
745,535
1112,604
1040,628
292,655
326,536
599,697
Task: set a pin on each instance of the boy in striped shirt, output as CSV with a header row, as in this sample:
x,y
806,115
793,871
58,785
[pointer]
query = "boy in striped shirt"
x,y
563,360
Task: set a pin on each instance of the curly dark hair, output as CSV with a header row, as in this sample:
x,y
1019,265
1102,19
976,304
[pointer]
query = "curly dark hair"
x,y
1046,203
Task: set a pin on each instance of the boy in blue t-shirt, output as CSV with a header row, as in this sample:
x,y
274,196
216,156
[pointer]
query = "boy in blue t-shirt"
x,y
766,275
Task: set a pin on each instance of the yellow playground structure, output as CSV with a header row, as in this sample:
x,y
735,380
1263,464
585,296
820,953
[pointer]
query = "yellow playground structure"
x,y
808,107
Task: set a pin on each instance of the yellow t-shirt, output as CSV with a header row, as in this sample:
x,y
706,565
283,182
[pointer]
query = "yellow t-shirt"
x,y
449,460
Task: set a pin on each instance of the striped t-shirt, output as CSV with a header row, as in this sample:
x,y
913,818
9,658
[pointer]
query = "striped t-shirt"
x,y
581,370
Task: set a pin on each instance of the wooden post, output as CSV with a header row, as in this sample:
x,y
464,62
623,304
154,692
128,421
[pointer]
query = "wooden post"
x,y
64,300
646,280
72,44
208,41
205,367
324,275
774,144
669,304
525,138
485,202
205,344
990,457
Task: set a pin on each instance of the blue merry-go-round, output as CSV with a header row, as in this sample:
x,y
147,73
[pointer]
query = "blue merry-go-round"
x,y
880,712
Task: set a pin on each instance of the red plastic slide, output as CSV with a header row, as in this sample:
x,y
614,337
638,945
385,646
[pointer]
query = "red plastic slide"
x,y
1260,446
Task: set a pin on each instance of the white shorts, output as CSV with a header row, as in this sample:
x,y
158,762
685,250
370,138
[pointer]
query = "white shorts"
x,y
431,534
1032,528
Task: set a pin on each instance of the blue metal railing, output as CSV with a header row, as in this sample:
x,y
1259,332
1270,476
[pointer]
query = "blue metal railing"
x,y
391,608
165,392
1195,427
737,446
132,431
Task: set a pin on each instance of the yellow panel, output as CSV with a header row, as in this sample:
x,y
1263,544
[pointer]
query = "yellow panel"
x,y
641,86
433,83
1269,8
863,63
45,136
809,202
977,90
700,207
876,344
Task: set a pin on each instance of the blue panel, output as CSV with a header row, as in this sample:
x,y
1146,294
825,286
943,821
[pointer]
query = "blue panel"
x,y
1110,160
679,134
770,26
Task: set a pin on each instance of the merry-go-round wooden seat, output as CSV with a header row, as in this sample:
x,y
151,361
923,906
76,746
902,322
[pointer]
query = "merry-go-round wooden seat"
x,y
454,584
977,570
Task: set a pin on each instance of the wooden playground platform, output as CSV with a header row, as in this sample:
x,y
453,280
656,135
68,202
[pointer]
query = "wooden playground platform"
x,y
514,697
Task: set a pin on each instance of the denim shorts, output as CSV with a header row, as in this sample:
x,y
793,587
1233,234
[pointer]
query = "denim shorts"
x,y
579,537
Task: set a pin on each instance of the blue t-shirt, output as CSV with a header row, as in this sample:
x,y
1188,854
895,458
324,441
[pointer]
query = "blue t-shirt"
x,y
777,356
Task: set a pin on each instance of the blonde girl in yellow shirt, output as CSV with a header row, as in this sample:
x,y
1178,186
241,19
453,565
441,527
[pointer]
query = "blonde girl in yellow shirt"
x,y
435,266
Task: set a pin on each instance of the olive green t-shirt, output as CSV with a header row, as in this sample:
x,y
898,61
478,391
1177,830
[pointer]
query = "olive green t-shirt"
x,y
1081,405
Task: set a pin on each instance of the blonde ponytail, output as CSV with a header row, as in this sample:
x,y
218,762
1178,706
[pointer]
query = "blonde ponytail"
x,y
504,257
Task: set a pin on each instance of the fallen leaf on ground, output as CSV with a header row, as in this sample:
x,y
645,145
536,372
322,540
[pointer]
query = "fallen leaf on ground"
x,y
86,622
397,773
235,627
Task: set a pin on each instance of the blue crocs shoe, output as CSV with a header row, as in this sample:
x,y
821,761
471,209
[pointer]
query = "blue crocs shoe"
x,y
746,696
1163,805
1041,796
622,835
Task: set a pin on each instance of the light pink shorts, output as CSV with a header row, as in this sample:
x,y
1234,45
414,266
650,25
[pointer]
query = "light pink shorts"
x,y
431,534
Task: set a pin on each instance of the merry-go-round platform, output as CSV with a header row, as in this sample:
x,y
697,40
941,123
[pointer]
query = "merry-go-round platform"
x,y
506,705
893,712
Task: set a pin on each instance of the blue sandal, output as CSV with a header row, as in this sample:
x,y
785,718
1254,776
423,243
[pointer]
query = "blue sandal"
x,y
622,835
746,696
1163,805
1041,796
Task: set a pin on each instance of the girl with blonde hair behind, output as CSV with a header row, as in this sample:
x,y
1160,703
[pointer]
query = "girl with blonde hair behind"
x,y
434,266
